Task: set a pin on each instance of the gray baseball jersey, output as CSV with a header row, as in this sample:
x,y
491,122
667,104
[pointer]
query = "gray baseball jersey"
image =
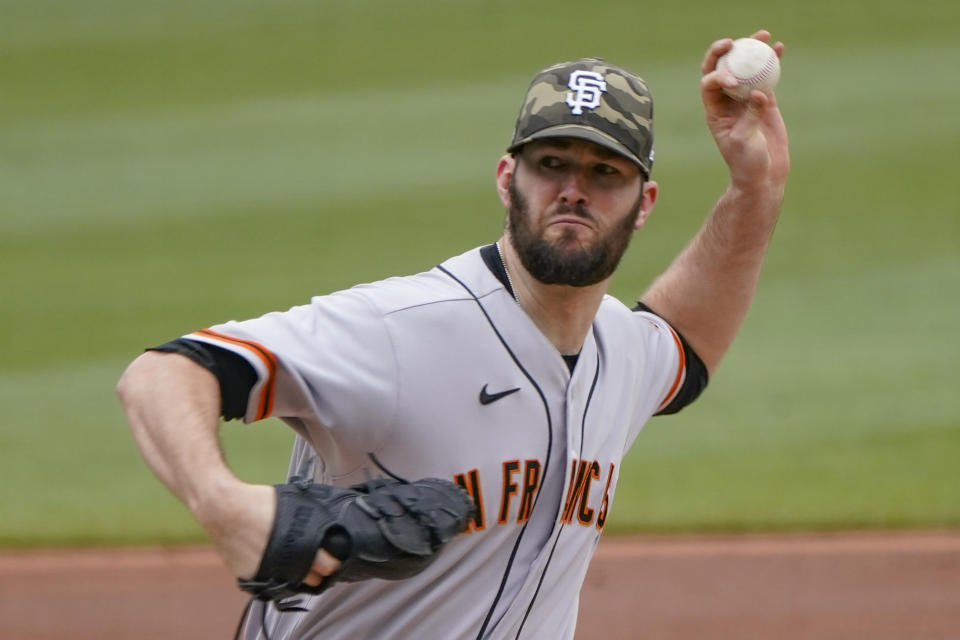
x,y
442,374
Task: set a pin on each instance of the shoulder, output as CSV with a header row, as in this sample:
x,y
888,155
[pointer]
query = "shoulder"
x,y
613,315
455,279
648,335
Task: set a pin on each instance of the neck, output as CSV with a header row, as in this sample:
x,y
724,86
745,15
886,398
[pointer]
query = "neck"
x,y
562,313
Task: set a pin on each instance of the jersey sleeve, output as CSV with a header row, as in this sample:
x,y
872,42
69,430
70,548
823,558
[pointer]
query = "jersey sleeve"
x,y
674,371
234,374
331,362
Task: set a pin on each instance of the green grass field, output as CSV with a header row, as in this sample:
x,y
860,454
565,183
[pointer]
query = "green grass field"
x,y
169,165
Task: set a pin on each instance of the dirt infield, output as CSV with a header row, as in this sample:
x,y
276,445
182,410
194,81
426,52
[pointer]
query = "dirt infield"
x,y
871,586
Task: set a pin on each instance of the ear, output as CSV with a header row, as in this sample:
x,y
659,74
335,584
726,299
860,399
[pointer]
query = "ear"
x,y
505,170
649,198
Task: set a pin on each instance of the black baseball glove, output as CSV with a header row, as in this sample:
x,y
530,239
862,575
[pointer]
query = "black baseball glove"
x,y
382,528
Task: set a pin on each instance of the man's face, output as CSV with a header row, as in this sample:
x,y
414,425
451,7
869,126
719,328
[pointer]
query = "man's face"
x,y
572,209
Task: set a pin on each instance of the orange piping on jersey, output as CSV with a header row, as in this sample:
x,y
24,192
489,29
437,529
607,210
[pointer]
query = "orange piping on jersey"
x,y
265,355
680,369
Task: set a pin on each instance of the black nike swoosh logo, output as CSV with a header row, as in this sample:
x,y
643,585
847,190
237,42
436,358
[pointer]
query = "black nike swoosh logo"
x,y
487,398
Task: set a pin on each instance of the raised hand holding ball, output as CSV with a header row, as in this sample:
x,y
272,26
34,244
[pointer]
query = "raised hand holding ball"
x,y
754,64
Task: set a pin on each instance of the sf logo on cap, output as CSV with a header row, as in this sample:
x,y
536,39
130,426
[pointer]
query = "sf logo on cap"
x,y
587,87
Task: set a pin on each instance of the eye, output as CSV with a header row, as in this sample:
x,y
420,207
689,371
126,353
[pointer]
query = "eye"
x,y
551,162
604,169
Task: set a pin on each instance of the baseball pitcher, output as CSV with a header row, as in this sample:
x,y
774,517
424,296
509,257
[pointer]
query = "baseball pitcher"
x,y
460,431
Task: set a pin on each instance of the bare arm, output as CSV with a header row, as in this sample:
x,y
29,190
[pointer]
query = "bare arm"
x,y
173,407
707,290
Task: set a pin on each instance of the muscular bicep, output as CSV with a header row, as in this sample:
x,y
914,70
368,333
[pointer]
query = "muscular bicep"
x,y
707,290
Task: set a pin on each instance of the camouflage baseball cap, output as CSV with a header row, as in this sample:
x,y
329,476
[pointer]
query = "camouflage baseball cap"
x,y
591,100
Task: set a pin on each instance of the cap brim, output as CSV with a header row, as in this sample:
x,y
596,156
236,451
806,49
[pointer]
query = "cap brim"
x,y
582,132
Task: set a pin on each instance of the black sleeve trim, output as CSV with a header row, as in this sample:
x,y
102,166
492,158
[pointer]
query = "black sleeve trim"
x,y
235,375
697,375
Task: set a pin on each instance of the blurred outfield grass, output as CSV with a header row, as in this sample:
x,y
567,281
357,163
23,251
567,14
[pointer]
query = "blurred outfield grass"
x,y
168,165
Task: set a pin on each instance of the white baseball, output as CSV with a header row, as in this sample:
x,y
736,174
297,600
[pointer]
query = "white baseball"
x,y
754,64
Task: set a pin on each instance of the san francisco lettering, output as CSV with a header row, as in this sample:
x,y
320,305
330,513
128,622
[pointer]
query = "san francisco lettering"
x,y
519,483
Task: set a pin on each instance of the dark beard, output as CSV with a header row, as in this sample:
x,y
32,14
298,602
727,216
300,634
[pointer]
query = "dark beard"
x,y
574,267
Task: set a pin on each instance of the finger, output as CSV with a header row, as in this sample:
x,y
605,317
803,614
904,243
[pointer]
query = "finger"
x,y
759,101
773,120
714,51
713,84
324,563
764,36
313,579
762,101
771,100
763,108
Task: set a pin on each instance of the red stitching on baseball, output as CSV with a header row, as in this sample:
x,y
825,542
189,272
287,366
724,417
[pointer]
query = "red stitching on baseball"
x,y
767,69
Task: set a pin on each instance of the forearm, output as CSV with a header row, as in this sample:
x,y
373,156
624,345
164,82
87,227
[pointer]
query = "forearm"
x,y
707,290
173,407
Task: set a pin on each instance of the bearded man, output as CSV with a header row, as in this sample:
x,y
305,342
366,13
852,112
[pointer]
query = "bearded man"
x,y
506,370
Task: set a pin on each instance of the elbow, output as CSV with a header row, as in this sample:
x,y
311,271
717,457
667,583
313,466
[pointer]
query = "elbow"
x,y
132,379
155,376
127,383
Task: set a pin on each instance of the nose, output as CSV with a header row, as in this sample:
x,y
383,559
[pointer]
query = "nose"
x,y
573,189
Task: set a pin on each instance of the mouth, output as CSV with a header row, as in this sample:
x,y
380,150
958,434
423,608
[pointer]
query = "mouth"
x,y
567,220
570,232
